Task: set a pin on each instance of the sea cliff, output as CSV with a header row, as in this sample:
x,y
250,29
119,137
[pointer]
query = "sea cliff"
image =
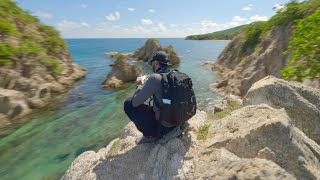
x,y
283,47
35,64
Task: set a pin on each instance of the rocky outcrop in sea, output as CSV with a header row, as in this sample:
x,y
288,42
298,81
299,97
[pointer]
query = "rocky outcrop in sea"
x,y
122,72
273,136
150,47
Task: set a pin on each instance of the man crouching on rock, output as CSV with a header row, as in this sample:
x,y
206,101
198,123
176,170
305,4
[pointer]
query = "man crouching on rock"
x,y
146,118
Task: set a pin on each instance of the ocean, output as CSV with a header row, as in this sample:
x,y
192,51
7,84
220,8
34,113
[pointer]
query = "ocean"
x,y
88,117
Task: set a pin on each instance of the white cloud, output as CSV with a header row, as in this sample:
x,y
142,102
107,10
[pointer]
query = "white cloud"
x,y
247,7
208,26
113,17
278,7
131,9
161,27
173,25
83,24
152,10
66,25
257,18
43,15
146,22
238,19
84,6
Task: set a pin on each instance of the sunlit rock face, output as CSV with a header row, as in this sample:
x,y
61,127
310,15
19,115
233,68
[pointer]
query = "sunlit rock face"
x,y
268,138
35,64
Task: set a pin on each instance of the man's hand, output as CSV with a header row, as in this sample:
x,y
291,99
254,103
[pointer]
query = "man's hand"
x,y
138,81
141,80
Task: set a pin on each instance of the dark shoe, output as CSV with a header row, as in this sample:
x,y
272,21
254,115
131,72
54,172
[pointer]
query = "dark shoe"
x,y
145,140
173,133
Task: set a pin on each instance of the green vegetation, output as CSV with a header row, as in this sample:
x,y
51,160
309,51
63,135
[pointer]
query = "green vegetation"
x,y
252,37
153,40
305,48
304,43
7,52
22,37
115,144
202,132
30,48
232,106
292,12
53,43
6,28
120,56
53,65
114,147
227,34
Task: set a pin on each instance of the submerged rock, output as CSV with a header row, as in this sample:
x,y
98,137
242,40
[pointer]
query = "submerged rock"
x,y
150,47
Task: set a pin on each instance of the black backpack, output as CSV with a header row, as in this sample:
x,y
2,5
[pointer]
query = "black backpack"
x,y
178,99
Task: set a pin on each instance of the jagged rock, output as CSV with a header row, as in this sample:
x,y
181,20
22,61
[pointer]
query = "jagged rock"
x,y
150,47
13,105
254,142
241,71
132,161
122,72
300,102
263,132
174,58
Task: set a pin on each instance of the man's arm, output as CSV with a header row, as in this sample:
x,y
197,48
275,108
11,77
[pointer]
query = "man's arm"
x,y
151,87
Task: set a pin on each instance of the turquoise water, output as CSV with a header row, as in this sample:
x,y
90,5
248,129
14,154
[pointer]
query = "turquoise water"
x,y
87,117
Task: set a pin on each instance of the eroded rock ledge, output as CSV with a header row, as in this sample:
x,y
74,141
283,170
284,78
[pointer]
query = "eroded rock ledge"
x,y
20,95
258,141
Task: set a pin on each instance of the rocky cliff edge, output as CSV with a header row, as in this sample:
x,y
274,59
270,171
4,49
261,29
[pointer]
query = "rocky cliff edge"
x,y
271,137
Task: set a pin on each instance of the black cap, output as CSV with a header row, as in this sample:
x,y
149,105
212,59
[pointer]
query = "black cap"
x,y
160,56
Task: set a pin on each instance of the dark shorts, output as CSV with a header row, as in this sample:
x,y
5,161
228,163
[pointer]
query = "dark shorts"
x,y
144,118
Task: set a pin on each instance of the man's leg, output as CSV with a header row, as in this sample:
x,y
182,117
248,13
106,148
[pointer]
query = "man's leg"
x,y
143,117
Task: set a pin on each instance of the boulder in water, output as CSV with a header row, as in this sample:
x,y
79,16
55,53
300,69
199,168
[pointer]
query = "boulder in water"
x,y
122,72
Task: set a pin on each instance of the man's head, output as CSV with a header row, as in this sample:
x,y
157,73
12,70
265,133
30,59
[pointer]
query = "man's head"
x,y
159,59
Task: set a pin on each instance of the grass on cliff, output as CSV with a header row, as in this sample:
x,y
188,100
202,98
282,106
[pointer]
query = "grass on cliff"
x,y
22,36
202,132
304,47
304,43
232,106
114,147
120,56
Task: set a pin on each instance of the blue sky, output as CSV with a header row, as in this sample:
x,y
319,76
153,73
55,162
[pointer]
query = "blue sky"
x,y
148,18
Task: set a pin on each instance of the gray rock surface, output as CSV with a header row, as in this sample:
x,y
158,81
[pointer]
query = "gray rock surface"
x,y
301,103
254,142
